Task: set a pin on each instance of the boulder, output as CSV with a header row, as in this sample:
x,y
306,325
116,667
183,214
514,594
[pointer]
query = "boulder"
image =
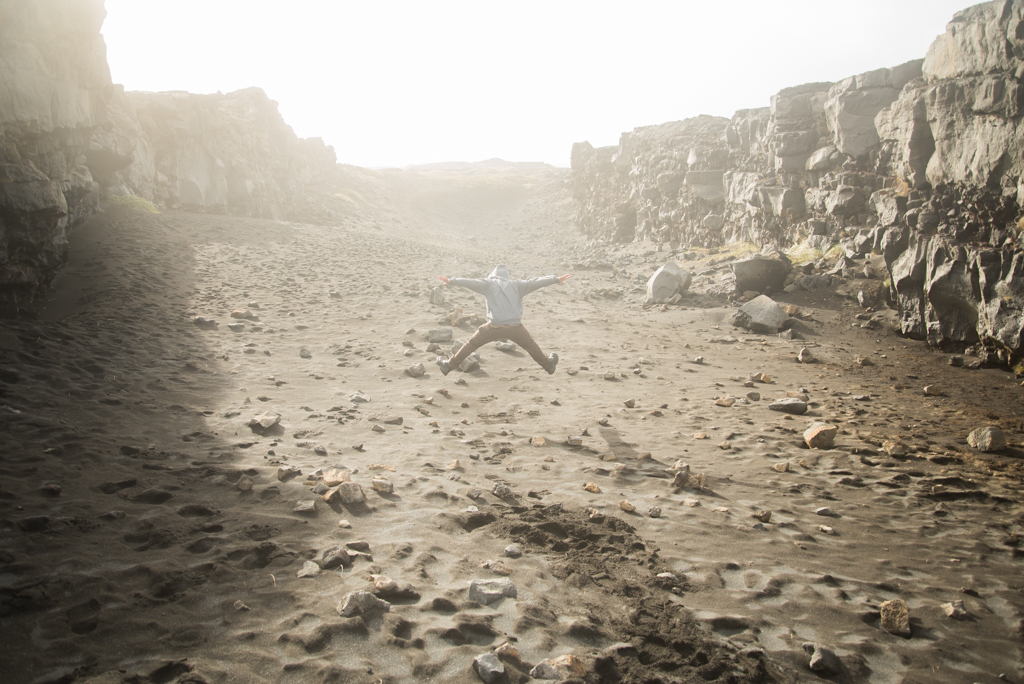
x,y
667,281
760,272
761,315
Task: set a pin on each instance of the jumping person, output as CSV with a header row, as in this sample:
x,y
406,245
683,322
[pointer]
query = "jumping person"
x,y
504,311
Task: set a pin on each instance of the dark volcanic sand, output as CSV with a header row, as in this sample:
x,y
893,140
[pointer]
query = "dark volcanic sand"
x,y
170,552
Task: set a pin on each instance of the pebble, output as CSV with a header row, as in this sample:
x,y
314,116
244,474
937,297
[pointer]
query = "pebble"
x,y
377,428
538,441
896,617
335,476
502,491
987,439
820,435
726,401
894,448
627,506
350,493
344,524
362,603
863,361
574,440
486,592
630,403
955,610
700,435
789,405
358,398
823,659
305,353
264,421
383,485
416,370
335,556
682,478
592,488
654,511
609,375
563,667
691,503
763,516
309,569
754,396
287,473
805,356
699,360
826,511
825,529
488,668
305,507
513,551
781,467
933,391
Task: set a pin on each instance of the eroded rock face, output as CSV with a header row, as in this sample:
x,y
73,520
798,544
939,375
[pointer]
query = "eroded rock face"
x,y
69,135
923,162
54,83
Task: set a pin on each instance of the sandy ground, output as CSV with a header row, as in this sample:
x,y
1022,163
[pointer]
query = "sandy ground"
x,y
147,534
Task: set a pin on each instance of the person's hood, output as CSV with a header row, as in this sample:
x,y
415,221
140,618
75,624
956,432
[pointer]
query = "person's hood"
x,y
500,272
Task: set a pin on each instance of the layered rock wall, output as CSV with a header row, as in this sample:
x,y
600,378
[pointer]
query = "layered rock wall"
x,y
69,135
923,162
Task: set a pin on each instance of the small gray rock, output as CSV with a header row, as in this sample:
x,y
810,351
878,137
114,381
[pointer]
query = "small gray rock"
x,y
486,592
987,439
789,405
513,551
362,603
488,668
309,569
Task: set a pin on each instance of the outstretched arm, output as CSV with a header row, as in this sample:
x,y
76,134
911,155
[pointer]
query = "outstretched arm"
x,y
474,284
528,286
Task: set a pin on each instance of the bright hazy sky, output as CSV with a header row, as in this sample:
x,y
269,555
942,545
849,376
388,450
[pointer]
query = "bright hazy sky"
x,y
399,83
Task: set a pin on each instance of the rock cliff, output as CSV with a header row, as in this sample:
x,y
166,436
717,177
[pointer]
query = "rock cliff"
x,y
923,163
68,135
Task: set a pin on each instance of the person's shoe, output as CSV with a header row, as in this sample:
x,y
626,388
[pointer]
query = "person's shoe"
x,y
442,363
553,359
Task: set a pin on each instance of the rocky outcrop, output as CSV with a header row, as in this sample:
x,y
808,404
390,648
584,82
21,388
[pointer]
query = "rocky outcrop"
x,y
54,84
221,153
923,163
68,135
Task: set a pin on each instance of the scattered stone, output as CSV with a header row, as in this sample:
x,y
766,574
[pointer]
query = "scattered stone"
x,y
754,396
700,435
439,335
896,617
287,472
538,441
305,506
344,524
823,659
654,511
825,511
668,281
691,503
681,479
790,405
933,391
820,435
781,467
486,592
894,448
416,370
382,485
362,603
392,420
502,491
305,353
204,323
513,551
955,610
699,360
627,506
630,403
245,483
863,361
488,668
358,398
377,428
725,401
592,488
805,356
762,378
505,346
563,667
335,476
763,516
264,421
309,569
574,440
990,438
336,556
761,315
350,493
825,529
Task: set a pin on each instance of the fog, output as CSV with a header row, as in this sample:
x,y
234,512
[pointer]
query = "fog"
x,y
393,84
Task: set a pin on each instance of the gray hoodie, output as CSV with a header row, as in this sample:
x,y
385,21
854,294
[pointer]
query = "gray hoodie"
x,y
504,295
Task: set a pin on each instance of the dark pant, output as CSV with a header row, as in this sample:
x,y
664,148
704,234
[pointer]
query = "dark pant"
x,y
491,333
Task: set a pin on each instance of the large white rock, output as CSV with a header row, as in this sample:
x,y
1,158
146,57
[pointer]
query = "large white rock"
x,y
668,281
761,315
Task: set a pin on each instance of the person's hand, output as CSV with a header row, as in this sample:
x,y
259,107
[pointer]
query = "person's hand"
x,y
444,279
563,278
